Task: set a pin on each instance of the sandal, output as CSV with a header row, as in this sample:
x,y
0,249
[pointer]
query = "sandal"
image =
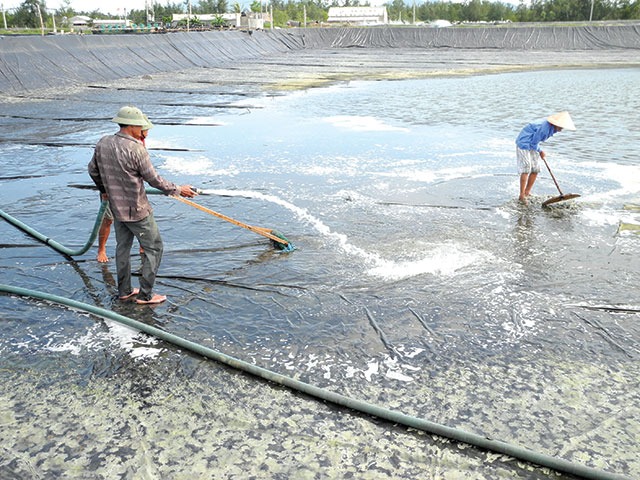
x,y
133,293
153,301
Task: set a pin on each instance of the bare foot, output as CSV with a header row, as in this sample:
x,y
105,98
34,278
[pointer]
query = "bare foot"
x,y
154,300
133,293
102,257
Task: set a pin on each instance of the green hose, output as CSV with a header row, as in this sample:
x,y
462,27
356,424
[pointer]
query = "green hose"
x,y
557,464
554,463
52,243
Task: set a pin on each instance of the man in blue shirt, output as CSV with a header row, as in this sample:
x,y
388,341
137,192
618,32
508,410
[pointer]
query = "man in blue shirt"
x,y
529,152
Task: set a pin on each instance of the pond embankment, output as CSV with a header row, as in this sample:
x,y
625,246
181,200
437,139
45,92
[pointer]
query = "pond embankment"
x,y
30,63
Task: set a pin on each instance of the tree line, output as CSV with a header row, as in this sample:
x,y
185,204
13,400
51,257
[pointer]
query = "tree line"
x,y
30,12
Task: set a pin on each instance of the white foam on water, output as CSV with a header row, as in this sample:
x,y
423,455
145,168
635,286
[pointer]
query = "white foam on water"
x,y
135,343
386,366
163,143
418,175
444,259
373,368
342,166
394,370
410,354
427,175
604,218
195,166
502,145
627,176
203,121
362,124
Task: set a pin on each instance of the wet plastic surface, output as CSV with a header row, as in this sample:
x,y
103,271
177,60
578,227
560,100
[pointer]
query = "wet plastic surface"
x,y
419,283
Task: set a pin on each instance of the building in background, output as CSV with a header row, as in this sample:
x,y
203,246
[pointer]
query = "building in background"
x,y
358,15
252,20
79,23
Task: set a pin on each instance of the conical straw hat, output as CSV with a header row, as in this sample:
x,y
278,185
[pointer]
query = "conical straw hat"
x,y
562,120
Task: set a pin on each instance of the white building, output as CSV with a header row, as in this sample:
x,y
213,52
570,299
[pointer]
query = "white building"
x,y
79,21
122,23
253,20
358,15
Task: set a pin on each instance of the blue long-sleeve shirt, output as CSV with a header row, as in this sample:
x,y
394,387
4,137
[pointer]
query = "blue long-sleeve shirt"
x,y
533,134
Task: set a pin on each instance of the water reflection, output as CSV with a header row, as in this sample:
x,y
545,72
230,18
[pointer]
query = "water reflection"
x,y
525,235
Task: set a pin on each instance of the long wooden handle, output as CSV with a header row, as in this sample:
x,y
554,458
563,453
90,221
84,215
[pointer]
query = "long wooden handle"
x,y
265,232
554,178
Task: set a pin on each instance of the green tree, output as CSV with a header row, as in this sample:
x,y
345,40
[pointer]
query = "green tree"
x,y
214,6
166,11
280,17
194,22
316,12
161,13
475,11
65,10
26,15
396,10
218,21
204,6
628,10
256,6
222,7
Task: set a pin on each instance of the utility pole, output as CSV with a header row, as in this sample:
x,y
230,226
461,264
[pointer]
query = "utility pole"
x,y
4,17
151,13
40,16
590,15
189,16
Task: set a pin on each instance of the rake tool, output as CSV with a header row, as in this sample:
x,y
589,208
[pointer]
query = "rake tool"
x,y
560,198
278,240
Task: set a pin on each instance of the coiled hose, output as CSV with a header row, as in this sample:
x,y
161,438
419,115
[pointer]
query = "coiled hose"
x,y
514,451
52,243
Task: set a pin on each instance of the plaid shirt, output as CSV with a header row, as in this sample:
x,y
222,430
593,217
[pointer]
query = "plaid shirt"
x,y
119,167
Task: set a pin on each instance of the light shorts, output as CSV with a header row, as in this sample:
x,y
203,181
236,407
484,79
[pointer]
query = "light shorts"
x,y
528,161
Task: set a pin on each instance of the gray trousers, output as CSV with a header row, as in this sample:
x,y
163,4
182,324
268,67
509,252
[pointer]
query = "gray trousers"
x,y
147,233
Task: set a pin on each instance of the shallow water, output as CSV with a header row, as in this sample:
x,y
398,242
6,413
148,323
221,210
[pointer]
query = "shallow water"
x,y
419,283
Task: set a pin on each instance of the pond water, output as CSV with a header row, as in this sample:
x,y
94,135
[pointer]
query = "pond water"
x,y
418,283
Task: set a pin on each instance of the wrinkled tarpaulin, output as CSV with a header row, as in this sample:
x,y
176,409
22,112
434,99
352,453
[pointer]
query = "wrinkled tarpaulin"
x,y
33,62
